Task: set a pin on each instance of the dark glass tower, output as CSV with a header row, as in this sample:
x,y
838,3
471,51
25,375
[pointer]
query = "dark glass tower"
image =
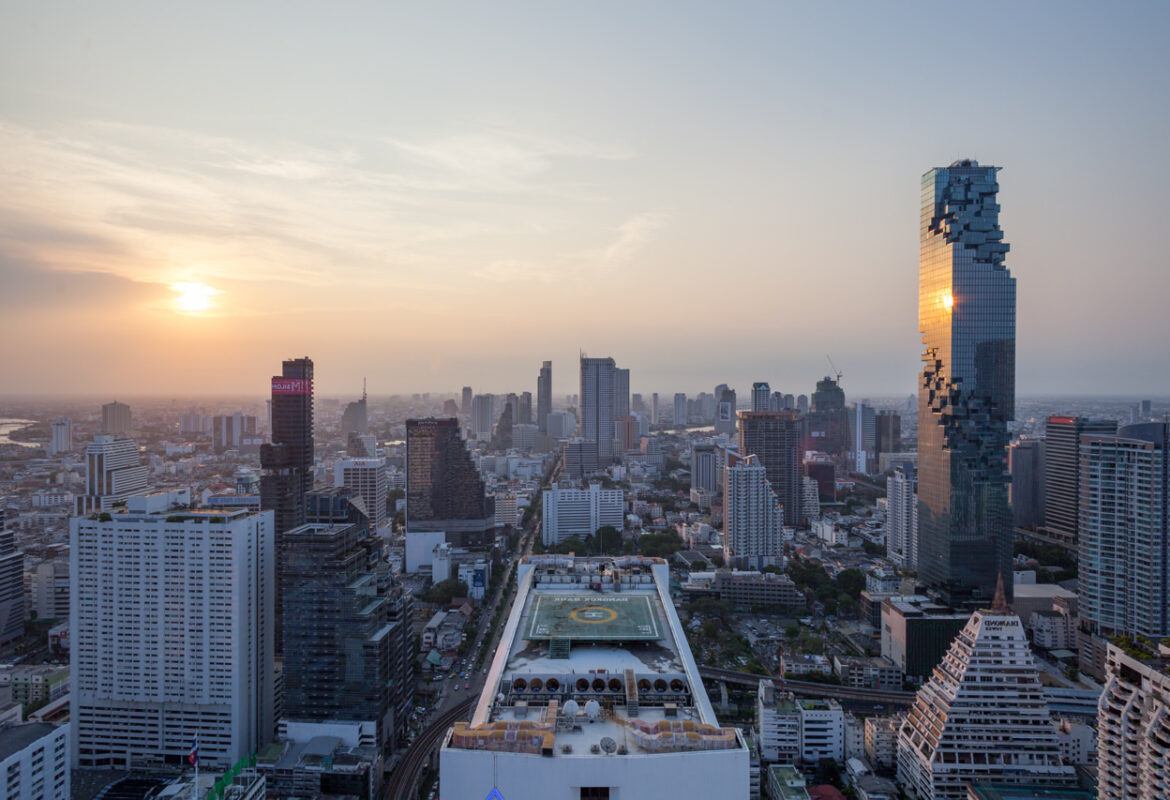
x,y
544,396
287,462
444,491
774,438
966,393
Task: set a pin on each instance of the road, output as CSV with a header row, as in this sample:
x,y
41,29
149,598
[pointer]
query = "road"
x,y
404,782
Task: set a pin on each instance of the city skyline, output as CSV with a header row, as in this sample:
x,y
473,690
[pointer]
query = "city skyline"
x,y
354,198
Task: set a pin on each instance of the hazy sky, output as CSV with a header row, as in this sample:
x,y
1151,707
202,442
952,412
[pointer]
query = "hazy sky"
x,y
433,194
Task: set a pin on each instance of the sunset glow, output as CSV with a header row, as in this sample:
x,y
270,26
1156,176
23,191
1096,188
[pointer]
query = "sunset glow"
x,y
192,298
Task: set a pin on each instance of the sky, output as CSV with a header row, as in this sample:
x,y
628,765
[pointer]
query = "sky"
x,y
437,194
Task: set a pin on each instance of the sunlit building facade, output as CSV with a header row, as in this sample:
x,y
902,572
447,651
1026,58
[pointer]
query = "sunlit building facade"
x,y
966,392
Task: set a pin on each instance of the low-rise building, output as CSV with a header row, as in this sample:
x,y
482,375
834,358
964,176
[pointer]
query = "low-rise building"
x,y
798,664
322,765
881,741
868,673
785,783
916,633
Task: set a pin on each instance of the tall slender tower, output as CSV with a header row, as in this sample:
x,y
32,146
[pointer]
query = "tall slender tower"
x,y
598,388
287,462
966,393
544,396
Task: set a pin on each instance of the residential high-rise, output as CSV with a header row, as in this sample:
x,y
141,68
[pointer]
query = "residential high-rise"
x,y
340,664
621,393
355,419
61,436
902,518
1026,465
761,394
171,630
704,469
465,401
982,717
774,437
544,396
863,426
287,461
483,416
1062,474
112,473
1124,569
801,403
1133,725
775,402
654,409
116,419
367,477
599,383
34,761
580,512
680,409
966,395
444,490
12,610
228,431
753,522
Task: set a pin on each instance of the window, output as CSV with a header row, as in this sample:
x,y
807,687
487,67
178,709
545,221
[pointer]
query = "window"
x,y
594,793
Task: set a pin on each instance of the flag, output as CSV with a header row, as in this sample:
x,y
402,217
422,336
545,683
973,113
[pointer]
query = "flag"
x,y
193,757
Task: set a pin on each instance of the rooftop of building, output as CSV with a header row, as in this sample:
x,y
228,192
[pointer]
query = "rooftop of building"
x,y
1155,655
593,660
787,782
16,737
993,792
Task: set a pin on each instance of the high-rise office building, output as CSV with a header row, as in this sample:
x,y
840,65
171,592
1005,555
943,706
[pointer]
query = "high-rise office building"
x,y
801,403
112,473
981,718
61,436
775,402
599,383
12,610
1026,465
1133,725
355,419
902,518
1062,475
621,393
1124,569
725,410
544,396
444,490
287,461
966,395
863,426
340,664
774,438
116,419
524,412
753,522
171,630
465,401
680,409
761,394
367,477
637,404
654,409
889,432
483,416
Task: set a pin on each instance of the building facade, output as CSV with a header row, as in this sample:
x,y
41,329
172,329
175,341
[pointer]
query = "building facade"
x,y
753,520
444,490
112,473
1133,726
34,761
966,395
902,518
116,419
367,477
544,396
1062,473
579,512
599,385
774,438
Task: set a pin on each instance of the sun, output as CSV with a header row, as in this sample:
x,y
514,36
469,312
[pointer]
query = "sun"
x,y
192,298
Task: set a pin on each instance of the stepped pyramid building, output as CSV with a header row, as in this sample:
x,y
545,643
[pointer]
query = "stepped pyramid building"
x,y
982,717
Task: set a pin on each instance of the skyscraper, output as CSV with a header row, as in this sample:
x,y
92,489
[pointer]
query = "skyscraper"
x,y
465,402
544,396
483,416
621,393
12,610
774,438
889,432
116,419
355,418
61,440
112,473
902,518
966,394
981,718
704,469
287,462
753,523
654,409
680,409
725,403
444,491
1124,569
864,429
1026,465
599,383
171,625
228,431
1062,474
367,477
524,411
761,392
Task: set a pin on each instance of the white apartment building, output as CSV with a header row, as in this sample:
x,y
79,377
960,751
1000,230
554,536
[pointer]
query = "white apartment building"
x,y
112,473
881,741
822,731
902,519
34,761
61,436
1133,726
792,731
982,717
49,589
580,512
753,522
171,632
367,477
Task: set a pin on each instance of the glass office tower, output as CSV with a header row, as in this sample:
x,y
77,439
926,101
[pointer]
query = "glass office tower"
x,y
966,393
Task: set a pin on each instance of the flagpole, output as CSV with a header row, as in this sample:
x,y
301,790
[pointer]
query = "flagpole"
x,y
195,751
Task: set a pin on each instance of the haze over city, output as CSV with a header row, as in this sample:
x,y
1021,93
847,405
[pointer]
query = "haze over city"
x,y
431,197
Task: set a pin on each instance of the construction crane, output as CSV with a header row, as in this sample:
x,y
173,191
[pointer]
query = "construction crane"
x,y
836,371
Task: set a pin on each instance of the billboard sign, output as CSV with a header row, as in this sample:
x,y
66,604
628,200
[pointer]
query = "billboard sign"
x,y
292,386
725,411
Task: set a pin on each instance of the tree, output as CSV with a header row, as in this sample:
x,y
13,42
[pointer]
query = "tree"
x,y
828,771
608,540
443,592
851,582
